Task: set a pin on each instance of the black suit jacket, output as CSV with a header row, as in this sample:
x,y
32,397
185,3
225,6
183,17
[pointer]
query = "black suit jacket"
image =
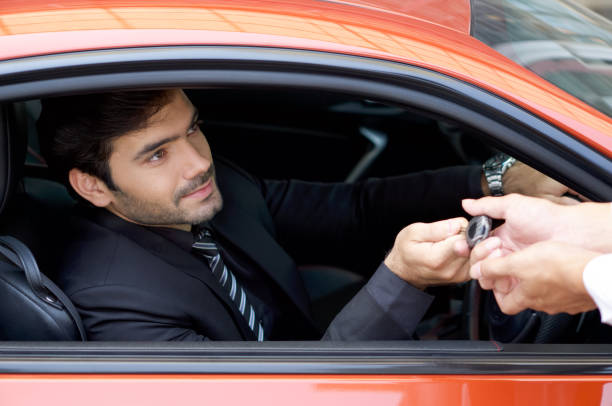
x,y
130,283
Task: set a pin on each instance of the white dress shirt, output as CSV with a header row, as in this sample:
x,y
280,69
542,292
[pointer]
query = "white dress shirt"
x,y
597,278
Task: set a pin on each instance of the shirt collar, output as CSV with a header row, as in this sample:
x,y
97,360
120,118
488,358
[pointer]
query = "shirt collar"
x,y
183,239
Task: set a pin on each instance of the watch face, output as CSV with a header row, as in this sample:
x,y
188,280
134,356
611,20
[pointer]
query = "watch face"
x,y
494,169
496,161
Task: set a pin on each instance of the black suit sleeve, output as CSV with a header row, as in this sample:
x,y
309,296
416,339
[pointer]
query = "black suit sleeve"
x,y
116,313
352,225
386,308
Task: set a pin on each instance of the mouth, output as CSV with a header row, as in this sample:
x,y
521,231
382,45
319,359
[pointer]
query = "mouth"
x,y
202,192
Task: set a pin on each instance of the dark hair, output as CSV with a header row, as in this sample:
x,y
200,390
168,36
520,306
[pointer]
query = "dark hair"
x,y
77,131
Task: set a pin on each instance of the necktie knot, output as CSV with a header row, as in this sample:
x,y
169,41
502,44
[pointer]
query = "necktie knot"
x,y
205,244
203,234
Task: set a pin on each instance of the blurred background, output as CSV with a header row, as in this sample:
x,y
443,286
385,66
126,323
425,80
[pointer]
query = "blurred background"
x,y
603,7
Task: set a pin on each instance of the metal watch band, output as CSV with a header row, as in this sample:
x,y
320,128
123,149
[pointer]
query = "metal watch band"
x,y
494,169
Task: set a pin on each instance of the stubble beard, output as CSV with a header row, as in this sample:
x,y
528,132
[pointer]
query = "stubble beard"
x,y
153,213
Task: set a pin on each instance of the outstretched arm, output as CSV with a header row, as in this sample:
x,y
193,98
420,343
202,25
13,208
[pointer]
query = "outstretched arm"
x,y
392,303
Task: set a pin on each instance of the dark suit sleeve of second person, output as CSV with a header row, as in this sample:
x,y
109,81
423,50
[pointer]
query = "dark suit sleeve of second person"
x,y
386,308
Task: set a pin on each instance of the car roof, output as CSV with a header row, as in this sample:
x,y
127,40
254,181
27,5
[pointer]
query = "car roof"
x,y
453,14
433,34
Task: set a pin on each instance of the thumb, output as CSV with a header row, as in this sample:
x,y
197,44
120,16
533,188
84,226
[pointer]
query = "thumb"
x,y
511,302
495,207
495,266
438,231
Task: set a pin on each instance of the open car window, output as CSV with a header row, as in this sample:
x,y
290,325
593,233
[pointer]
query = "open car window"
x,y
335,137
351,130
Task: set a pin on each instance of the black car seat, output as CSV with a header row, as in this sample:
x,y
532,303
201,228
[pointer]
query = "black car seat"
x,y
32,307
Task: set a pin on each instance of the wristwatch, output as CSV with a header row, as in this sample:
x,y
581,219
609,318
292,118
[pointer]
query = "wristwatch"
x,y
494,169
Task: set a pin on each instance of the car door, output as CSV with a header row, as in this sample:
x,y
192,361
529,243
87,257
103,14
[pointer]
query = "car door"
x,y
446,371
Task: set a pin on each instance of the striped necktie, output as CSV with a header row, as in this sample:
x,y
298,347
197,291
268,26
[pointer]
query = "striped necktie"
x,y
206,246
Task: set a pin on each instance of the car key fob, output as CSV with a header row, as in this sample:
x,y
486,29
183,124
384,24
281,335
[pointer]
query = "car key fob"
x,y
477,230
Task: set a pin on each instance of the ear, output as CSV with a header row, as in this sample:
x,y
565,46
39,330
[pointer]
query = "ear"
x,y
90,187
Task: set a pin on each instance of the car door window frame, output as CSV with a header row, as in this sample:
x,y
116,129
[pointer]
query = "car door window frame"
x,y
508,127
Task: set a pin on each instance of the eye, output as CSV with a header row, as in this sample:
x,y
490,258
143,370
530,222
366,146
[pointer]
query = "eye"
x,y
195,127
157,155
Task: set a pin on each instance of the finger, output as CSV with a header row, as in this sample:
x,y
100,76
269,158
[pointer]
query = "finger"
x,y
488,249
462,248
438,231
486,283
462,274
455,271
475,272
504,284
442,264
494,207
497,265
441,254
449,245
511,302
484,248
507,237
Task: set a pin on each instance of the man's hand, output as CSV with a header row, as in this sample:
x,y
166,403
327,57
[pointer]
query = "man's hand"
x,y
546,276
523,179
529,220
431,254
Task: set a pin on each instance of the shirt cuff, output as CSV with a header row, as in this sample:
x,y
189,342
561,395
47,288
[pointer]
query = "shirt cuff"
x,y
597,279
397,297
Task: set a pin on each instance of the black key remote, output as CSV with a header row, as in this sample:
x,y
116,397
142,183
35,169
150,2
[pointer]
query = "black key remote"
x,y
477,230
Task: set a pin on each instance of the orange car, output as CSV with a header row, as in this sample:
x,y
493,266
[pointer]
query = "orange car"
x,y
347,90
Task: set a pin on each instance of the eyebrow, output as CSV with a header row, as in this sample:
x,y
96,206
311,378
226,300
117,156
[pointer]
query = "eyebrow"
x,y
154,145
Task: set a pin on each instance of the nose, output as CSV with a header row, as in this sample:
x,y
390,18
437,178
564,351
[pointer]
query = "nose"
x,y
194,163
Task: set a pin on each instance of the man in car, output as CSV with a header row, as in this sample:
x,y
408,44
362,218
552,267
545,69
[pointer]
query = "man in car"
x,y
173,245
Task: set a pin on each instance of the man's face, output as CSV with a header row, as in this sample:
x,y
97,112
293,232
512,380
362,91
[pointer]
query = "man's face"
x,y
164,173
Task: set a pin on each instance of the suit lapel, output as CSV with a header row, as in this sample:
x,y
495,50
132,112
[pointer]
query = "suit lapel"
x,y
172,254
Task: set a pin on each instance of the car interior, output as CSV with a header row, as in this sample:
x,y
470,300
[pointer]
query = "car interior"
x,y
324,136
